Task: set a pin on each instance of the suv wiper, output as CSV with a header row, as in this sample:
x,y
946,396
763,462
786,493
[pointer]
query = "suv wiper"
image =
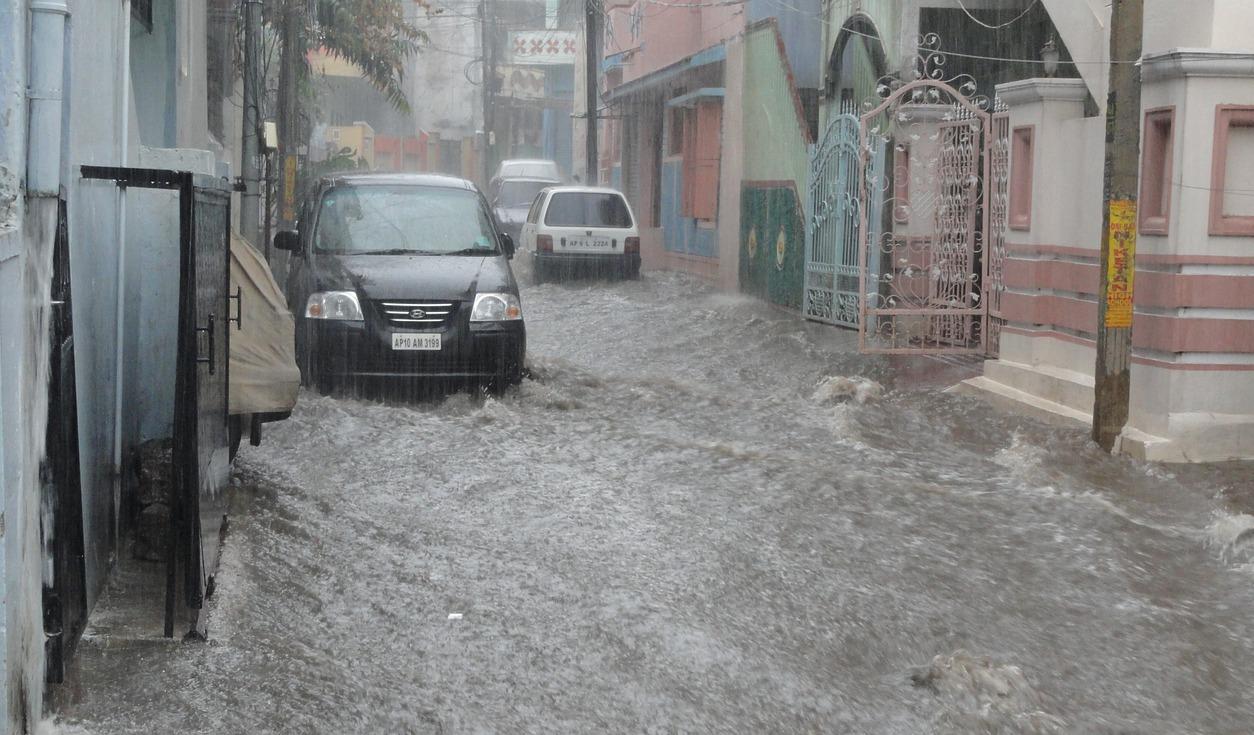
x,y
470,251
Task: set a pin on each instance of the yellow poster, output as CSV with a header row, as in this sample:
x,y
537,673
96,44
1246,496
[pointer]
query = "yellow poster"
x,y
289,188
1121,266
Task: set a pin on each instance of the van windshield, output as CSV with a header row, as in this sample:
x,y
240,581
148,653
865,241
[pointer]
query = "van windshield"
x,y
520,194
539,169
588,209
403,219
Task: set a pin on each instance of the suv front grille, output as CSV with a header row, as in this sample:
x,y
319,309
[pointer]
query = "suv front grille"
x,y
418,314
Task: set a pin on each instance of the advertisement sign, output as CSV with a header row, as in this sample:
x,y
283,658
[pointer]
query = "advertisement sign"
x,y
289,188
1121,267
543,47
521,83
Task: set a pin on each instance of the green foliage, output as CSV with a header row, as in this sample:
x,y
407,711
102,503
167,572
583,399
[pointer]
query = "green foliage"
x,y
346,159
371,34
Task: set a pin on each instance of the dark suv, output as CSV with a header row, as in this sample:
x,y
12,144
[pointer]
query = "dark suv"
x,y
402,276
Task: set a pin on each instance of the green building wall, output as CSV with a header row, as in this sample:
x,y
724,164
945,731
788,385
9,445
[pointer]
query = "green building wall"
x,y
776,159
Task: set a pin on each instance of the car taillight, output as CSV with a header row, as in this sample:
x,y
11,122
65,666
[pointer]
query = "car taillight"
x,y
544,243
631,245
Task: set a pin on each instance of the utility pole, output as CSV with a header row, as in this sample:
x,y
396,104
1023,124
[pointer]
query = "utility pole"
x,y
1112,375
289,111
592,31
487,28
250,168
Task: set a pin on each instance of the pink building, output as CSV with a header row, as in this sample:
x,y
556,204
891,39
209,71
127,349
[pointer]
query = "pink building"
x,y
665,87
695,94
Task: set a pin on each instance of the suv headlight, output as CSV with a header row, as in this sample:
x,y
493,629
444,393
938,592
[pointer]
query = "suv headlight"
x,y
496,307
334,305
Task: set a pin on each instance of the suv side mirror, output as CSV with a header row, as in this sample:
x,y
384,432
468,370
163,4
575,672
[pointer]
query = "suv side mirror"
x,y
507,244
287,240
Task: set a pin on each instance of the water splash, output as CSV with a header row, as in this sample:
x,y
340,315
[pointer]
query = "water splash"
x,y
1021,455
977,695
838,388
1232,536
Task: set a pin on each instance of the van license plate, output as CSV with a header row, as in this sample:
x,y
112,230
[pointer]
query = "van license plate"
x,y
589,243
416,341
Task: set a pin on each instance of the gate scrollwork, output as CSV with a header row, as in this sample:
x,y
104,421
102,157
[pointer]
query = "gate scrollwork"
x,y
924,216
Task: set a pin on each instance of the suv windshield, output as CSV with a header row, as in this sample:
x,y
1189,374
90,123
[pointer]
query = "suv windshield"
x,y
588,209
403,219
519,194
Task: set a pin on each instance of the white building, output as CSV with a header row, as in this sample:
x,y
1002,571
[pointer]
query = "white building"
x,y
444,86
145,84
1192,389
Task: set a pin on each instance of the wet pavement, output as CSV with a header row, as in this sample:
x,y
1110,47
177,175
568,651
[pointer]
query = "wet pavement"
x,y
680,524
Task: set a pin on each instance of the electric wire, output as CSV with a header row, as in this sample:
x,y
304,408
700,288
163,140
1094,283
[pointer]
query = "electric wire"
x,y
1016,19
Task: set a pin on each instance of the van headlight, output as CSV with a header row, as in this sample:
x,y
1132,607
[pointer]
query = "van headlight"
x,y
334,305
496,307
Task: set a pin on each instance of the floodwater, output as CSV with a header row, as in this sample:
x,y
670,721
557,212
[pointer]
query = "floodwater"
x,y
679,524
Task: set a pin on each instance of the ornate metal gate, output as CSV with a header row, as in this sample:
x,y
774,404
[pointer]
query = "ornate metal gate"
x,y
998,222
923,272
831,277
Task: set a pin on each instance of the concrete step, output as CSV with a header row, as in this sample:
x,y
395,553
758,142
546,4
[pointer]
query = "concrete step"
x,y
1069,388
1016,401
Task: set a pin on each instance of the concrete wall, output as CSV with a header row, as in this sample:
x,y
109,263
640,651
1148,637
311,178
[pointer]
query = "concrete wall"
x,y
106,112
1233,21
154,77
97,101
12,166
736,145
1213,24
667,35
771,231
1192,396
801,33
1194,329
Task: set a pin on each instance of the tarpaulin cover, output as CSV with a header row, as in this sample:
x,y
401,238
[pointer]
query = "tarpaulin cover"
x,y
264,376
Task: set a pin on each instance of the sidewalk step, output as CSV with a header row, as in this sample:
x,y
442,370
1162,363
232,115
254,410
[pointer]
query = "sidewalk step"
x,y
1015,400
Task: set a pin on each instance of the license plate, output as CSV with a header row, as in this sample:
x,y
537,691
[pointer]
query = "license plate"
x,y
588,243
416,341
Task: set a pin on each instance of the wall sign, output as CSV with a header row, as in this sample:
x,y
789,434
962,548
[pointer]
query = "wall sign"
x,y
1121,266
543,47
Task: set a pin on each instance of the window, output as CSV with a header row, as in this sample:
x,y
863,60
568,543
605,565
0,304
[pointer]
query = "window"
x,y
219,63
703,149
1232,172
677,131
588,209
533,215
1021,165
141,11
1155,204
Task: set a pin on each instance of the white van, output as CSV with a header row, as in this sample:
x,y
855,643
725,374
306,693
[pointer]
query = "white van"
x,y
572,228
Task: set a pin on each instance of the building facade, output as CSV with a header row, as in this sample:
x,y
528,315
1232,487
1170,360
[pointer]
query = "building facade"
x,y
704,128
719,120
108,84
1192,390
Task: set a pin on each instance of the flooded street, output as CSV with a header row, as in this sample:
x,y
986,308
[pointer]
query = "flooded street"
x,y
678,525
